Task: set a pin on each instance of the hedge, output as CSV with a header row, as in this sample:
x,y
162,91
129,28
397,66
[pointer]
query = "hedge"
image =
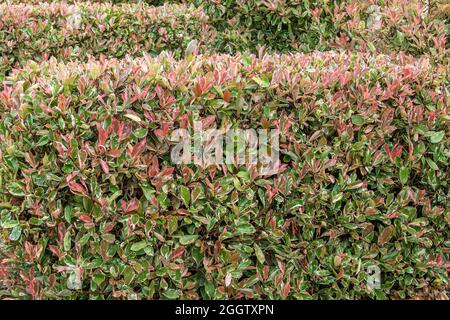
x,y
87,188
76,31
415,27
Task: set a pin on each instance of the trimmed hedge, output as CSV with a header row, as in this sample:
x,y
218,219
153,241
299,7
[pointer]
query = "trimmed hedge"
x,y
77,31
416,27
87,187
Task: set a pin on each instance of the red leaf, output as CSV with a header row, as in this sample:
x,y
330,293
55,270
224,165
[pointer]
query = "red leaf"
x,y
102,135
71,175
104,166
115,153
197,90
388,151
109,226
386,235
137,149
30,249
117,127
394,215
135,97
55,250
227,96
410,150
271,191
286,289
61,231
162,133
77,188
154,201
169,101
397,152
206,122
33,284
178,252
153,167
85,218
125,96
145,92
132,205
167,171
159,91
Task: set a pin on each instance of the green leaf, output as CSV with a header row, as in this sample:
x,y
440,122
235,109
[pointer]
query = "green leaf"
x,y
98,278
210,289
172,224
15,233
128,275
140,133
42,141
67,241
404,175
246,228
337,197
432,164
16,189
139,245
259,254
171,294
133,117
196,193
436,136
358,120
10,224
108,237
188,239
148,191
244,175
185,195
263,81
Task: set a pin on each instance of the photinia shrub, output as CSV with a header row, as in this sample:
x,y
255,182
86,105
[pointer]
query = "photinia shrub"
x,y
416,27
38,31
91,205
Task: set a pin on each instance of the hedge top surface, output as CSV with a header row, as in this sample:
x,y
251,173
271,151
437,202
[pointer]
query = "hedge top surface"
x,y
231,26
63,9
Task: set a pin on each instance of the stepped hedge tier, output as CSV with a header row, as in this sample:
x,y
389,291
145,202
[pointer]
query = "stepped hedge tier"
x,y
92,207
36,31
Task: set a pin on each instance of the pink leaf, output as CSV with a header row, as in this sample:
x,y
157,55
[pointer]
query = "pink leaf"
x,y
102,136
115,153
77,188
137,149
178,252
131,206
397,152
85,218
286,289
104,166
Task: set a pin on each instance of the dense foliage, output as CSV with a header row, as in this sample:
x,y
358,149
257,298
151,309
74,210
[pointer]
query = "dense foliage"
x,y
92,207
70,31
66,31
